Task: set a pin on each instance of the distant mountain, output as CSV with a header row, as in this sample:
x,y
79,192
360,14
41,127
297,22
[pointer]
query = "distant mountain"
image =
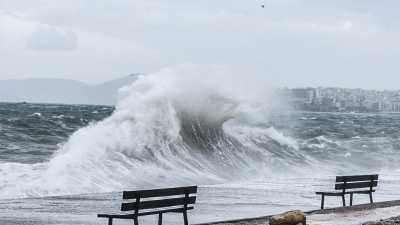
x,y
62,91
106,93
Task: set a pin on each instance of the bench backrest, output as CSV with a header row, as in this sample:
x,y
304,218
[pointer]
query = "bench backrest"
x,y
159,198
356,182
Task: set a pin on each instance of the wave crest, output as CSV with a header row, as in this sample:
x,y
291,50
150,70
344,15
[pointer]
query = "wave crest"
x,y
177,126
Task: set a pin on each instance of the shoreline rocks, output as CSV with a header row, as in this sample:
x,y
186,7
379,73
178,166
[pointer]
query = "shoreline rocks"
x,y
289,218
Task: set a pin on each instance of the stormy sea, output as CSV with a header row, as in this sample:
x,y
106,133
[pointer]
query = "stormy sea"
x,y
63,164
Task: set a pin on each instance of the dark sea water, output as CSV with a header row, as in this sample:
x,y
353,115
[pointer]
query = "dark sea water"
x,y
31,133
63,164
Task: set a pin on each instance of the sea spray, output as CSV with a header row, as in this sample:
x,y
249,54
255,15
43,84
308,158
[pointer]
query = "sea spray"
x,y
231,150
168,128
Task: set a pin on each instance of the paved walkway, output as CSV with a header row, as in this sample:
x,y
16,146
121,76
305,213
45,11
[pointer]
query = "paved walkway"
x,y
335,216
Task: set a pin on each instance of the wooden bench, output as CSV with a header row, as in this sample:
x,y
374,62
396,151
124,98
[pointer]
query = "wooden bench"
x,y
359,184
153,202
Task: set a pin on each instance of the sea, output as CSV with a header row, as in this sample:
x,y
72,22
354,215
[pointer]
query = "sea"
x,y
64,164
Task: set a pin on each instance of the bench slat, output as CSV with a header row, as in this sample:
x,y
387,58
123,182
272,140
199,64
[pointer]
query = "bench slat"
x,y
158,203
327,193
357,178
159,192
330,193
178,210
132,216
116,216
355,185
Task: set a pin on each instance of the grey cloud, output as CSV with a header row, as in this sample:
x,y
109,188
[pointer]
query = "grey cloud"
x,y
351,43
50,38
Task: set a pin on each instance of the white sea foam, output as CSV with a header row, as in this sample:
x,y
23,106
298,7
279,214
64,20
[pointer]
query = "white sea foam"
x,y
38,114
167,129
61,116
322,138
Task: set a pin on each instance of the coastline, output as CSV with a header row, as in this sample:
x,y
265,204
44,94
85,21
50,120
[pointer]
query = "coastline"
x,y
332,215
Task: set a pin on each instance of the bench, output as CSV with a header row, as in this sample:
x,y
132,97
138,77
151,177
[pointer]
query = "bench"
x,y
153,202
359,184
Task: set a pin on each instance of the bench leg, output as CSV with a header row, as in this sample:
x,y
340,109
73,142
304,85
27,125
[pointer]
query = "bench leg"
x,y
110,221
351,199
370,198
343,200
160,219
322,201
136,221
185,218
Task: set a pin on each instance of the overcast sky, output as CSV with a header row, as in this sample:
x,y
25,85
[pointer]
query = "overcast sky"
x,y
344,43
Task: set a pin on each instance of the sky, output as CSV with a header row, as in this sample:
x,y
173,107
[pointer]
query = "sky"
x,y
294,43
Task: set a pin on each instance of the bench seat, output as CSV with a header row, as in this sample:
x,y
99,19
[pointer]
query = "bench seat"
x,y
132,216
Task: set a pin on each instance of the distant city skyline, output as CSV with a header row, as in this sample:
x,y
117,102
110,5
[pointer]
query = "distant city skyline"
x,y
293,43
342,99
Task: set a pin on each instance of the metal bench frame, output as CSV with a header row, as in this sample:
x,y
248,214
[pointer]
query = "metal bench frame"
x,y
364,184
143,203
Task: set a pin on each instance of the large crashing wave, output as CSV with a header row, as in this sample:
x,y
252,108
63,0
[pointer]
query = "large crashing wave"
x,y
182,125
